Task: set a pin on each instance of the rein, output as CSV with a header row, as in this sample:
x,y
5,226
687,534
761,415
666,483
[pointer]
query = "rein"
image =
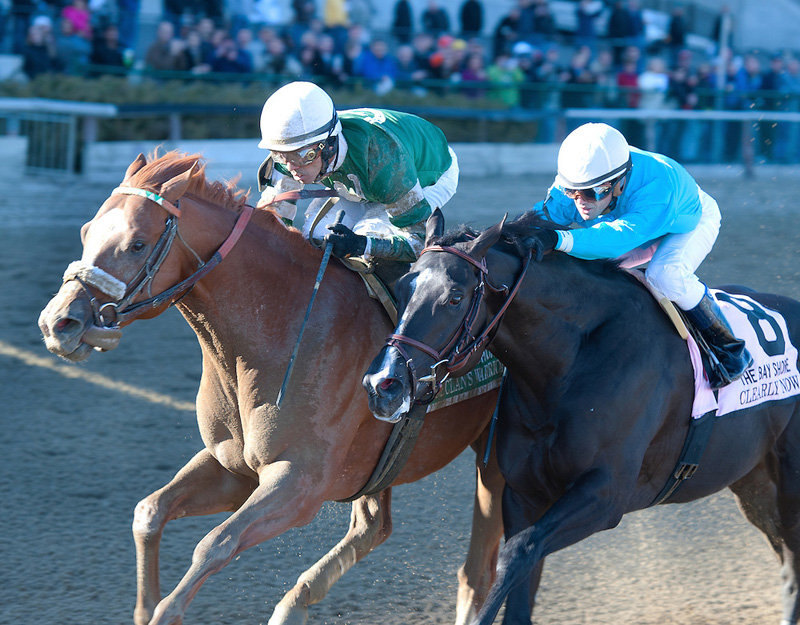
x,y
463,345
120,310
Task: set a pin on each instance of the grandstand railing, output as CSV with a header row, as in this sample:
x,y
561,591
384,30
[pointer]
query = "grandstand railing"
x,y
59,131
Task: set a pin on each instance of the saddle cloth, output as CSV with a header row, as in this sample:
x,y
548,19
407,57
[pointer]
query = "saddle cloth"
x,y
774,373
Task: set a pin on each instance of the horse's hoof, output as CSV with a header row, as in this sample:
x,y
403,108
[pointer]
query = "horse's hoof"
x,y
293,615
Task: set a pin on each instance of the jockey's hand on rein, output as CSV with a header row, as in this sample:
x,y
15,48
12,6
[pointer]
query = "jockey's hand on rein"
x,y
345,242
541,242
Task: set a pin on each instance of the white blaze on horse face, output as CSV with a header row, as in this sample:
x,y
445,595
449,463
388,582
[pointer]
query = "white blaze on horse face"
x,y
388,371
107,229
421,279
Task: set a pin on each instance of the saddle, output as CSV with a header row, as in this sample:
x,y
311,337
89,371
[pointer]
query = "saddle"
x,y
666,304
683,326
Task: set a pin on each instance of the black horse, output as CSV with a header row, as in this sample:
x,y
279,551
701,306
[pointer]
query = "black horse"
x,y
595,410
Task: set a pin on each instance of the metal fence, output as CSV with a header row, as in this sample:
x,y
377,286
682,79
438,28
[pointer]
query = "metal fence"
x,y
58,132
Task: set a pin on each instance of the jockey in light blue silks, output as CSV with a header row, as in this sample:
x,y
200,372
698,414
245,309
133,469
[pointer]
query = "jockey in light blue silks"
x,y
389,170
619,202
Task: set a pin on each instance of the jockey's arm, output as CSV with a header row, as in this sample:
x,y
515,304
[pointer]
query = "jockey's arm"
x,y
615,237
394,184
607,237
556,207
407,215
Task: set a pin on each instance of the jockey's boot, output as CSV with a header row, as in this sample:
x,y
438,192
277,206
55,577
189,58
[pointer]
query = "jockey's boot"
x,y
730,353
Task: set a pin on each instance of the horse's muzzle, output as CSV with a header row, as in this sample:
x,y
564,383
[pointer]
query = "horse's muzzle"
x,y
67,325
387,385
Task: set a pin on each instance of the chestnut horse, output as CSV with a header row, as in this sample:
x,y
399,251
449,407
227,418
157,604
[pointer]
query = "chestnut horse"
x,y
271,468
598,398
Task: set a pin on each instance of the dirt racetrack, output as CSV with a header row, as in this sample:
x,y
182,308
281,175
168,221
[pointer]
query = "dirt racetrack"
x,y
79,452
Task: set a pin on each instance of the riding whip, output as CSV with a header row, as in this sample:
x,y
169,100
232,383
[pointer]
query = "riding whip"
x,y
323,265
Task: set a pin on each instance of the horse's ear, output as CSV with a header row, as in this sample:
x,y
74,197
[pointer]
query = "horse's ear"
x,y
434,227
478,247
139,162
174,188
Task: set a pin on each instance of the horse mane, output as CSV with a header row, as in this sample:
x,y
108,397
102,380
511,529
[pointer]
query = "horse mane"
x,y
459,234
515,231
161,168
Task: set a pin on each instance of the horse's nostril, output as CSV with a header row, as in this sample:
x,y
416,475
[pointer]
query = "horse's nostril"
x,y
386,384
64,324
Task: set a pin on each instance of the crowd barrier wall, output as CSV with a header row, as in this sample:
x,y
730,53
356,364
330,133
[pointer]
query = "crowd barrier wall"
x,y
62,138
227,158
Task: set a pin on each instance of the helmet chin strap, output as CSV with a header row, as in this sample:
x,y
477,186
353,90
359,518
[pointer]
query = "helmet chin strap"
x,y
616,191
619,187
332,155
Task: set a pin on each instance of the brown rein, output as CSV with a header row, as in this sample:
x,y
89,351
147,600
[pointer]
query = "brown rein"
x,y
462,346
174,293
113,314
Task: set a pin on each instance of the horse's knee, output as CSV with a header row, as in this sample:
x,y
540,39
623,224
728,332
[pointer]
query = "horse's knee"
x,y
149,518
371,516
215,550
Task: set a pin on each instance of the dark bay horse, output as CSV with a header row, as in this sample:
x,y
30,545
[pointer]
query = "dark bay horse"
x,y
596,405
271,468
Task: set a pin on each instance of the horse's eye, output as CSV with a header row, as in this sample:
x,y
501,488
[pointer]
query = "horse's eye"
x,y
455,299
138,246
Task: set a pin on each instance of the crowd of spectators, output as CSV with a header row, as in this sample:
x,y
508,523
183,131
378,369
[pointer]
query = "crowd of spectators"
x,y
521,61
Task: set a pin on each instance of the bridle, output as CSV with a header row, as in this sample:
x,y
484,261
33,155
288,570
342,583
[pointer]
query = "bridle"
x,y
120,309
460,350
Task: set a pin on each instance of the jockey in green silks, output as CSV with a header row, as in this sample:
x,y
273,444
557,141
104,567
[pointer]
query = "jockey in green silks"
x,y
389,170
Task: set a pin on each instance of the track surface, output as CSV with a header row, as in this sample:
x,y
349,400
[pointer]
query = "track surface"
x,y
82,444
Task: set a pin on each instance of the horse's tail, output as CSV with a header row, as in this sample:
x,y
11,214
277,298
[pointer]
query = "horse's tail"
x,y
514,566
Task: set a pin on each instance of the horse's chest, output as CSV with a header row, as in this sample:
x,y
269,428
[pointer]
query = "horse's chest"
x,y
544,460
241,444
223,435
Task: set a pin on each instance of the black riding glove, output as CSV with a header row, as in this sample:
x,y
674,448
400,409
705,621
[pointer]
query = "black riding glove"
x,y
345,242
541,242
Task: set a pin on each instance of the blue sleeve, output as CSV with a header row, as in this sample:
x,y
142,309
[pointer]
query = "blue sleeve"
x,y
650,216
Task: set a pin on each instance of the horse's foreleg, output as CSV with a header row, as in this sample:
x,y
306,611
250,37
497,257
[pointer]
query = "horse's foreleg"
x,y
201,487
586,508
287,496
370,525
475,577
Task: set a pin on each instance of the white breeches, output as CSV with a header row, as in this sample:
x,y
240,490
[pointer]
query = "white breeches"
x,y
371,218
672,268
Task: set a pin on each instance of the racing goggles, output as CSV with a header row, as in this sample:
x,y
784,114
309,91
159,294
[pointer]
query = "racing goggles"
x,y
299,158
592,194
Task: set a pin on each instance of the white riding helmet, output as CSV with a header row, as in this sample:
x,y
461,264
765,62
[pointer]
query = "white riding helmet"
x,y
591,155
297,115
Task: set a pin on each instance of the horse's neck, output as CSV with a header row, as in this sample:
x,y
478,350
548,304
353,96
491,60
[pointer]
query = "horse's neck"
x,y
560,303
247,306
